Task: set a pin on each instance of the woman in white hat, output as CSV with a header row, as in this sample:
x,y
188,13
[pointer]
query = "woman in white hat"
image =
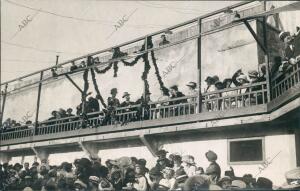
x,y
189,165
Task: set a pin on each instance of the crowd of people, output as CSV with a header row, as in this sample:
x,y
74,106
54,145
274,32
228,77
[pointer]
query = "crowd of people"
x,y
174,172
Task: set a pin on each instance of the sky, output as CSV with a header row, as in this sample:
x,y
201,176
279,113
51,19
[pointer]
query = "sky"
x,y
33,32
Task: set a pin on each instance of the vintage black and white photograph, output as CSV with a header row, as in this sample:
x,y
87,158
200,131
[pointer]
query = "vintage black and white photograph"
x,y
149,95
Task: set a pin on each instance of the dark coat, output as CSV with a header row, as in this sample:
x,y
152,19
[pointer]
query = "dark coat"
x,y
113,102
178,95
93,105
214,170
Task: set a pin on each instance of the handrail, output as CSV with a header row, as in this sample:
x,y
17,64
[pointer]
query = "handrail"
x,y
235,88
133,41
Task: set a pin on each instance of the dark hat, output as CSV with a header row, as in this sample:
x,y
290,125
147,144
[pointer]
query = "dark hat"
x,y
85,162
18,165
155,172
53,112
282,35
142,162
211,156
226,80
174,87
265,183
177,158
216,78
161,152
114,90
209,79
125,94
35,164
192,84
219,85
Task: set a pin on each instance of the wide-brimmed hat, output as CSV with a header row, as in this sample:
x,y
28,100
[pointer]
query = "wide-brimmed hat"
x,y
282,35
211,155
114,90
188,159
125,94
239,184
252,74
243,77
192,84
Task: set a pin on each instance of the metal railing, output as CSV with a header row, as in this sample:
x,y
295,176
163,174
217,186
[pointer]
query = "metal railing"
x,y
225,99
285,80
237,97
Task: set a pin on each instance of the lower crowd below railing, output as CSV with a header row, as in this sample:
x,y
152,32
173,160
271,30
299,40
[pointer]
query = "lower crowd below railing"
x,y
221,100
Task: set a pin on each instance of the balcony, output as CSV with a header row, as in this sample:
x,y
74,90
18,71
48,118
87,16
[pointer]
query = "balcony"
x,y
222,104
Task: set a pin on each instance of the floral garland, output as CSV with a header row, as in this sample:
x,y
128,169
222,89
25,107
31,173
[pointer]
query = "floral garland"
x,y
146,72
161,83
97,88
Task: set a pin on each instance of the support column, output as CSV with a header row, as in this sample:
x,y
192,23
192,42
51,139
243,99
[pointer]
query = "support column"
x,y
268,72
3,104
152,144
42,154
91,149
5,157
199,100
297,144
38,104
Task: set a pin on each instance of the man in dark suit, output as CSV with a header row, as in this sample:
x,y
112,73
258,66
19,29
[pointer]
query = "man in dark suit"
x,y
292,46
127,101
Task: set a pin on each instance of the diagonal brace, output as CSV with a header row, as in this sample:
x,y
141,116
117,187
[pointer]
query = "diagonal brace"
x,y
255,36
70,79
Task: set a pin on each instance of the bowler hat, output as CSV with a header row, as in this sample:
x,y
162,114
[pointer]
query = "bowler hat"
x,y
211,156
282,35
209,79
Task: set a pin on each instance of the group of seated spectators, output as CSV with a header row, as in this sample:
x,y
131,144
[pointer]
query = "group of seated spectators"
x,y
174,172
11,125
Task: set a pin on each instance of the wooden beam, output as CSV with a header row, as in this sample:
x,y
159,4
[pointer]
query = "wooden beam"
x,y
3,104
72,81
261,45
199,46
38,105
